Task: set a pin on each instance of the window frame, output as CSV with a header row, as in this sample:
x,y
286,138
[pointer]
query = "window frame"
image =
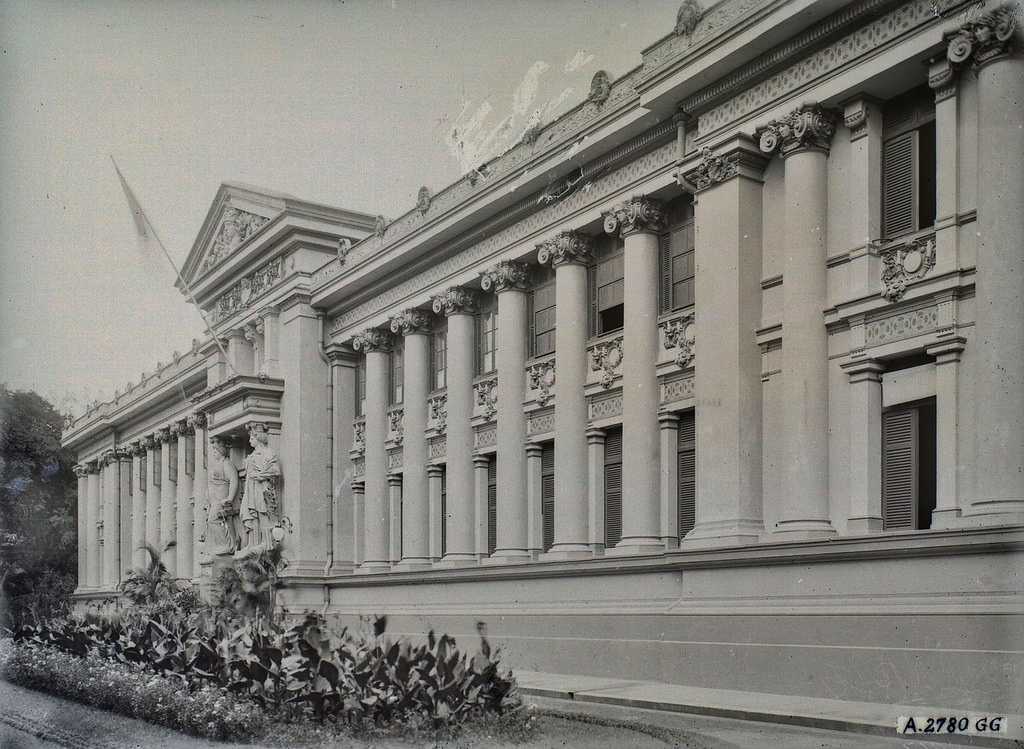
x,y
610,249
905,119
487,335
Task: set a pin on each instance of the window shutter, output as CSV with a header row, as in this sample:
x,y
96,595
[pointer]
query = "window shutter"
x,y
492,505
547,494
531,332
157,468
686,479
444,512
613,488
899,469
665,262
592,296
172,461
899,177
190,455
142,473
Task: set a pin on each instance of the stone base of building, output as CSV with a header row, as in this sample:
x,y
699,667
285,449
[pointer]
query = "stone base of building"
x,y
895,617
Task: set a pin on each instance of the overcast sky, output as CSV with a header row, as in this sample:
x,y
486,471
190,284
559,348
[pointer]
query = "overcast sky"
x,y
351,104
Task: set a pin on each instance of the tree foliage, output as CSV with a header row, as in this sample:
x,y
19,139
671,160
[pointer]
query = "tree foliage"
x,y
38,534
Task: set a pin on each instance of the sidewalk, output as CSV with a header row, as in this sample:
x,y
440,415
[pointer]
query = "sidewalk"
x,y
812,712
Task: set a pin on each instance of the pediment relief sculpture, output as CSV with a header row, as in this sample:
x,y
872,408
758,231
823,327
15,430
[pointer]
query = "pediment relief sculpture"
x,y
235,228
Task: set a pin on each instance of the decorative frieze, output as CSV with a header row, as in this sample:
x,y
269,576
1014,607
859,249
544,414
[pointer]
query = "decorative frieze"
x,y
236,227
605,406
541,422
394,460
485,437
437,412
243,292
505,275
606,358
809,126
456,300
542,379
566,247
639,213
676,389
437,448
372,340
411,321
359,437
904,263
900,326
984,38
486,393
681,334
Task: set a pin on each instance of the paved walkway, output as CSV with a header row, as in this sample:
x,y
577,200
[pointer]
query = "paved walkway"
x,y
810,712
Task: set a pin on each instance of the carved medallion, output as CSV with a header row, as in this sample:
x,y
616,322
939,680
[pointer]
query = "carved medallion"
x,y
487,397
902,264
423,198
681,333
542,379
344,247
606,358
379,226
712,169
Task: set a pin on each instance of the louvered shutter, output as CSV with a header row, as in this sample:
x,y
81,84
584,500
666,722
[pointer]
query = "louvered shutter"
x,y
157,468
492,505
592,296
899,469
613,488
172,461
547,493
665,269
444,512
899,180
686,479
190,455
142,473
531,332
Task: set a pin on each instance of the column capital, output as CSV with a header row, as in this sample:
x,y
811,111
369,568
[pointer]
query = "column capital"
x,y
863,370
138,447
372,340
507,275
148,442
162,435
948,351
176,428
455,300
124,453
269,311
533,450
435,471
808,127
983,39
94,466
566,248
596,436
668,420
942,79
342,355
109,457
81,470
859,113
411,321
740,157
481,461
251,333
196,420
638,214
394,479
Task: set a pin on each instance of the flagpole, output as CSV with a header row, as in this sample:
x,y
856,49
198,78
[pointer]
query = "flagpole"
x,y
184,283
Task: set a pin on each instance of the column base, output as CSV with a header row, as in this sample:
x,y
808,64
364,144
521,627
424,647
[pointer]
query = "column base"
x,y
949,517
342,568
802,530
567,552
864,525
507,556
305,568
413,564
372,568
722,533
635,546
1003,512
453,561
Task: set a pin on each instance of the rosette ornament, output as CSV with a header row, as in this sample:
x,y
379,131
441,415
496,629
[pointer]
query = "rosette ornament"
x,y
809,126
565,248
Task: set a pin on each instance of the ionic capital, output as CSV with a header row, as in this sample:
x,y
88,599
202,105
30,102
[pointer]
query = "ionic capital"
x,y
863,370
411,322
81,470
138,448
162,435
712,169
94,466
124,453
372,340
148,442
196,420
566,248
481,461
942,79
109,457
456,300
638,214
809,127
507,275
985,38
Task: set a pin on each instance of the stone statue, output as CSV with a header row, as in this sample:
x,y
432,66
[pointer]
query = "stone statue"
x,y
261,505
222,488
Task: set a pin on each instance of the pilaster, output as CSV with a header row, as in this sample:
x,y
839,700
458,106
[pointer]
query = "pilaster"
x,y
168,488
668,428
184,500
126,496
82,525
137,551
270,318
343,364
358,523
865,382
153,500
93,520
111,519
435,475
863,118
534,491
595,489
395,520
943,80
947,355
480,466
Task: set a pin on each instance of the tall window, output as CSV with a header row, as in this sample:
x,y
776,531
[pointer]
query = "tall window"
x,y
908,163
492,504
612,487
908,466
190,455
361,387
487,338
686,473
395,374
439,359
607,285
172,460
157,466
547,493
542,314
677,257
142,473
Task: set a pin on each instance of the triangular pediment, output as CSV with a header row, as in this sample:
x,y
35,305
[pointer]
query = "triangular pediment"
x,y
237,215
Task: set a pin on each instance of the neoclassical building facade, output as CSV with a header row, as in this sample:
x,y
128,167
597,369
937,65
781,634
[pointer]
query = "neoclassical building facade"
x,y
717,379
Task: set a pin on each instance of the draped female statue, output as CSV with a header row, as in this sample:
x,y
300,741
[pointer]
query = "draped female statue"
x,y
261,499
222,488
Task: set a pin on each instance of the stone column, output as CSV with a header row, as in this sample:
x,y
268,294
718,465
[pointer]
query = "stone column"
x,y
127,524
376,344
595,488
570,253
240,354
459,304
395,518
942,79
992,43
254,336
151,445
434,474
359,535
111,520
480,465
93,520
727,369
82,524
865,446
200,506
138,550
534,490
344,363
167,492
269,318
510,280
947,355
183,500
803,138
863,118
668,426
415,325
639,221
